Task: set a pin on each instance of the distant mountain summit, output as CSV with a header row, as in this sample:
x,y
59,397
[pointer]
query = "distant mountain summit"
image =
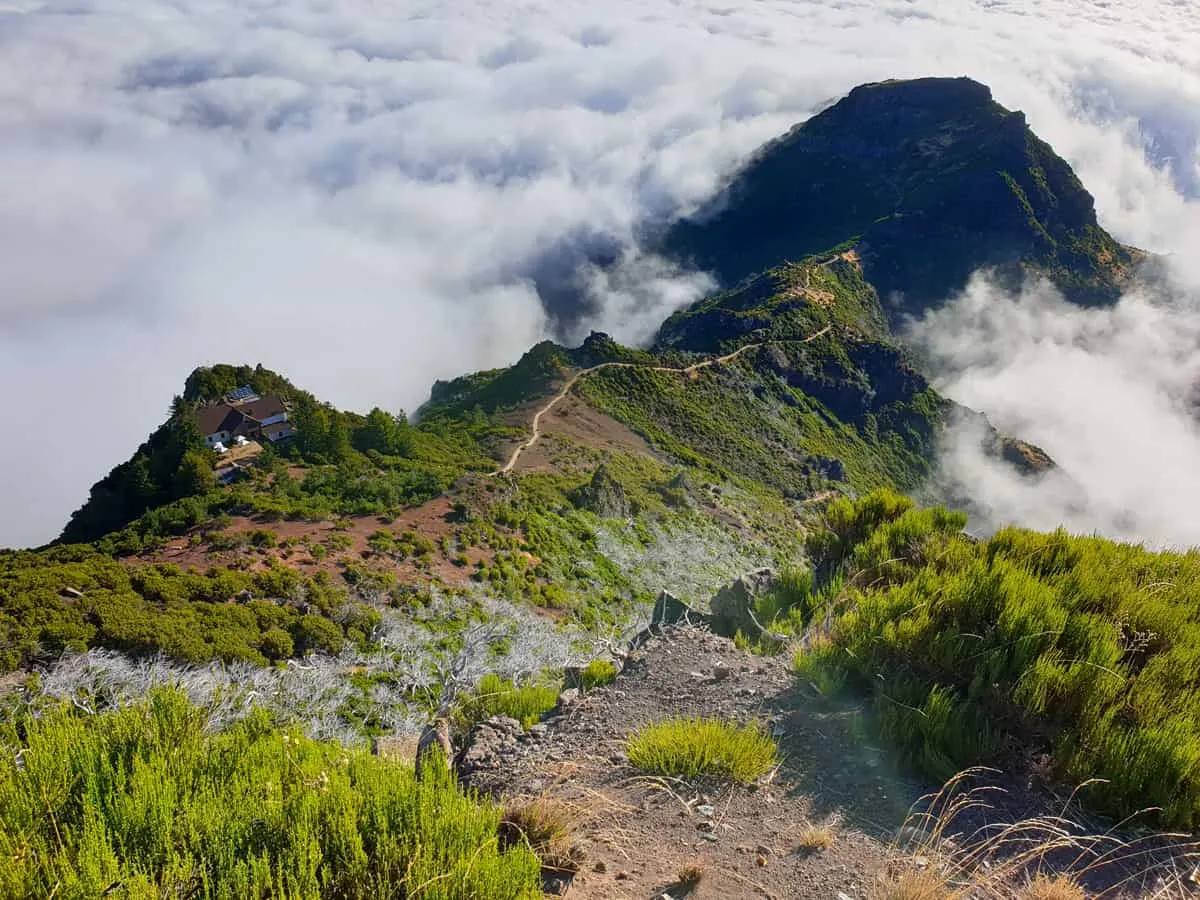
x,y
929,180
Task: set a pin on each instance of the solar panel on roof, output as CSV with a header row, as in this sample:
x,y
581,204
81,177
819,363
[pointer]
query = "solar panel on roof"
x,y
242,393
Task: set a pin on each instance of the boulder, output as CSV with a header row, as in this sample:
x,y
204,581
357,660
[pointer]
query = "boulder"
x,y
489,744
604,496
670,610
733,605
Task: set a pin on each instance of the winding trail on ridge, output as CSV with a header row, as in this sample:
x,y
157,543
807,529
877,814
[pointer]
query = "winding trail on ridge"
x,y
536,431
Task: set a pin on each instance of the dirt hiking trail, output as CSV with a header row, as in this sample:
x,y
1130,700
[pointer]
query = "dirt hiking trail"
x,y
536,428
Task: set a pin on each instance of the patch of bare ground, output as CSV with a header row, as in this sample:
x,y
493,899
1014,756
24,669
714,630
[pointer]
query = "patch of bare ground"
x,y
818,824
835,819
11,682
574,423
346,541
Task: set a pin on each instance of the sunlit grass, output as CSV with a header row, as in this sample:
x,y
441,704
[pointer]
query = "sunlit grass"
x,y
142,803
688,748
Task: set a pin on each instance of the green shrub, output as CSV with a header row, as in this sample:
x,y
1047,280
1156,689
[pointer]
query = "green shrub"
x,y
1080,647
263,537
146,799
598,673
688,748
314,633
496,696
339,541
234,540
276,644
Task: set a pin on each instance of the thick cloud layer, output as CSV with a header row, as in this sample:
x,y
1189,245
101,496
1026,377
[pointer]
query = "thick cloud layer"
x,y
1113,395
368,196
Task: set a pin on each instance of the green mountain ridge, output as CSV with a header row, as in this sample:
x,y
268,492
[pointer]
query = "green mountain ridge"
x,y
931,180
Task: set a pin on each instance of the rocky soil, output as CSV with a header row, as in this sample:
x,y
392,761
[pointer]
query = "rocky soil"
x,y
637,833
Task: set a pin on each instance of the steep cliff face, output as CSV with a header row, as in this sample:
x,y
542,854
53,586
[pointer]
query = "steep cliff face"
x,y
930,180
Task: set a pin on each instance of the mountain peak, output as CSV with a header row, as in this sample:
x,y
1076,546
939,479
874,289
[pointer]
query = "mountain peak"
x,y
930,179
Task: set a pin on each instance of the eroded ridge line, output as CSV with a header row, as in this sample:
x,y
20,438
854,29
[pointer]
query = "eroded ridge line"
x,y
536,430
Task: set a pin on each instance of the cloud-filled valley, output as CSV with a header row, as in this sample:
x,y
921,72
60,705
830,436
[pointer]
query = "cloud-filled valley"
x,y
370,196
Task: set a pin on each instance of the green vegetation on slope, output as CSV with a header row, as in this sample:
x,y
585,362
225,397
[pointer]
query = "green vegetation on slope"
x,y
791,416
932,179
144,803
980,651
72,598
358,465
786,303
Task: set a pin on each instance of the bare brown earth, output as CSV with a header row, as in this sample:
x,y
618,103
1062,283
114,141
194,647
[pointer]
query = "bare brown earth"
x,y
639,832
573,424
430,520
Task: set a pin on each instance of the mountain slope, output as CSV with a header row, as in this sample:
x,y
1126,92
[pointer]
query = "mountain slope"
x,y
931,180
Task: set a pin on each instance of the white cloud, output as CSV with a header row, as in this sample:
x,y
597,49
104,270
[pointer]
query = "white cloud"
x,y
1113,395
358,194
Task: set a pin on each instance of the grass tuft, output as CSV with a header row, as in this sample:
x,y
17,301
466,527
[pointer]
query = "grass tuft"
x,y
910,884
598,673
1042,858
689,877
545,826
1045,887
691,747
496,696
816,838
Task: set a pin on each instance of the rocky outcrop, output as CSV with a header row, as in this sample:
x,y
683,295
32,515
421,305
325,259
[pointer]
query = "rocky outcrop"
x,y
604,496
490,744
670,610
732,609
1027,459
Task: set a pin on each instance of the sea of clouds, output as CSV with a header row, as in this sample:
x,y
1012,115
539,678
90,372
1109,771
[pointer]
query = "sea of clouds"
x,y
367,196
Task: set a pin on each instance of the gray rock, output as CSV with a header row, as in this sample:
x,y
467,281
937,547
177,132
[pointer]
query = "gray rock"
x,y
670,610
732,607
488,743
604,496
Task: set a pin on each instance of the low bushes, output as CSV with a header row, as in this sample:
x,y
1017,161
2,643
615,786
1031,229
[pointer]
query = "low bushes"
x,y
142,803
688,748
974,650
73,598
598,673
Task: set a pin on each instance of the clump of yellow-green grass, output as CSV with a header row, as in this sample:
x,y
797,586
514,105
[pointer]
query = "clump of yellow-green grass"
x,y
145,803
815,838
598,673
496,696
544,825
692,747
